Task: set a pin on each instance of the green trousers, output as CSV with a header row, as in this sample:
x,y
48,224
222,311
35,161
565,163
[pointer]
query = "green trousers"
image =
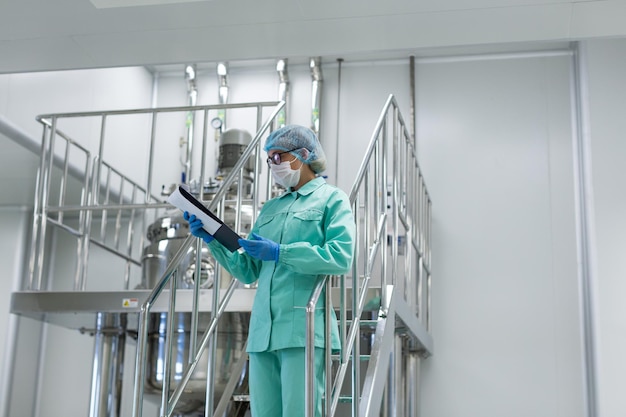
x,y
276,382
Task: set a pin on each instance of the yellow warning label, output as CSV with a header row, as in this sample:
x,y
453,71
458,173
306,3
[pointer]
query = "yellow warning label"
x,y
130,302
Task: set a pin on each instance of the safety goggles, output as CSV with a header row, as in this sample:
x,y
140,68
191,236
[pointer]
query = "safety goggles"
x,y
275,159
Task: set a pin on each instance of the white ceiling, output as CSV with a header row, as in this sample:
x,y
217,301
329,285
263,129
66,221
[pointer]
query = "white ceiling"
x,y
44,35
39,35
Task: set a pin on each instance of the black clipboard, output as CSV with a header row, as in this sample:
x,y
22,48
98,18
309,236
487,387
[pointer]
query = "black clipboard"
x,y
185,201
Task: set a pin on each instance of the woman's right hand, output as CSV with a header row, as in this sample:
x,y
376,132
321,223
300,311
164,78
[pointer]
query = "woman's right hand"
x,y
196,227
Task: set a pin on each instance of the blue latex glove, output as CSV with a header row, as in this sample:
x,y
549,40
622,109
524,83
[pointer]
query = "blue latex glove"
x,y
260,248
195,226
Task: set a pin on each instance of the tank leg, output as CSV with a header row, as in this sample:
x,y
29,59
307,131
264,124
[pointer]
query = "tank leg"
x,y
108,358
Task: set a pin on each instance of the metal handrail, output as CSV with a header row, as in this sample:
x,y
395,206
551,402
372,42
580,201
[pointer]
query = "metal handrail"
x,y
416,220
367,197
40,118
96,179
91,176
140,366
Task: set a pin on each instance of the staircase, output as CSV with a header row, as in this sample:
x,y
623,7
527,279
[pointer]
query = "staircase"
x,y
383,304
393,252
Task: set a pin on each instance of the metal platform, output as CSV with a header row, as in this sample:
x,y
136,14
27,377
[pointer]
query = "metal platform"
x,y
78,309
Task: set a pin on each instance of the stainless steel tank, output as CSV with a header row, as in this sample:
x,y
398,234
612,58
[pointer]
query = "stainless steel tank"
x,y
233,143
166,236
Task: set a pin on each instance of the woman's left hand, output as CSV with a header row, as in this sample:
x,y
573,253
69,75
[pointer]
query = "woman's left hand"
x,y
261,248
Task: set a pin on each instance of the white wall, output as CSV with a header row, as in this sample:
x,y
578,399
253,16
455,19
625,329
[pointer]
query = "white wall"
x,y
495,145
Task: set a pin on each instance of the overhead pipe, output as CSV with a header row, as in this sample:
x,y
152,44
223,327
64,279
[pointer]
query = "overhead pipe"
x,y
283,90
339,62
316,90
222,82
192,97
412,107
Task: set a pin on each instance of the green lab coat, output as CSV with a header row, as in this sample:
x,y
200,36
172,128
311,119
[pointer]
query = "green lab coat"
x,y
315,228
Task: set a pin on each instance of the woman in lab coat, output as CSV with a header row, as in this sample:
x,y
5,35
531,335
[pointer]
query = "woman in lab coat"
x,y
298,238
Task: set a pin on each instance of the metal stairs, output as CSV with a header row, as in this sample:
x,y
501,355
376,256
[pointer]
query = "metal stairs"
x,y
383,304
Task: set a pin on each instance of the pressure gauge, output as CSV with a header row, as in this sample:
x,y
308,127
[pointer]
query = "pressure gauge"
x,y
216,123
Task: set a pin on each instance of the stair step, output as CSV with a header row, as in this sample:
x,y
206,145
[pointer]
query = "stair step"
x,y
362,357
241,398
365,323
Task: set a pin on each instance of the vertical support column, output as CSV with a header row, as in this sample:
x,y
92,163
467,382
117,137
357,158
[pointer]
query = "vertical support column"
x,y
34,262
316,93
412,387
192,93
108,358
283,91
585,227
412,107
222,76
339,62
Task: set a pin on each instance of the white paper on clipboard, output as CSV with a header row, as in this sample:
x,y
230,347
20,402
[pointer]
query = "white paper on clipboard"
x,y
184,201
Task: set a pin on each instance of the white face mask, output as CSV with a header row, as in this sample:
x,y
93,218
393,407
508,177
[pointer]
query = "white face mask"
x,y
285,175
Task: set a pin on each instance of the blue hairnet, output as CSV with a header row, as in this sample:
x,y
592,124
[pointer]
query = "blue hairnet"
x,y
301,142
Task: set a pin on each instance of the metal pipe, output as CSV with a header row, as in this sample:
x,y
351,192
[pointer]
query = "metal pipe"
x,y
393,394
356,348
383,207
141,360
45,190
98,171
316,93
118,218
222,82
104,217
585,227
63,185
192,97
150,157
412,387
35,256
328,345
205,137
193,336
212,342
394,196
429,276
283,90
309,350
39,380
339,62
169,345
149,110
129,238
412,90
105,400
